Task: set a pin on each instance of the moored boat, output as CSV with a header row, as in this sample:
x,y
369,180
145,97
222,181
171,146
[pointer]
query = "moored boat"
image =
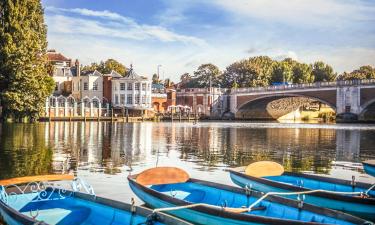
x,y
41,202
171,190
369,167
348,196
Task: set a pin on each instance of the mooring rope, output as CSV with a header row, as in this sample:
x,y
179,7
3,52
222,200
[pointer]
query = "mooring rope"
x,y
263,197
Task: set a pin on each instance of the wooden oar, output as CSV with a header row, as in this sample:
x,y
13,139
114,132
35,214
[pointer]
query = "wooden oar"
x,y
243,210
264,168
162,175
23,180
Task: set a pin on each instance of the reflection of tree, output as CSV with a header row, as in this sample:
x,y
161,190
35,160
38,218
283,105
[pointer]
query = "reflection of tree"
x,y
23,151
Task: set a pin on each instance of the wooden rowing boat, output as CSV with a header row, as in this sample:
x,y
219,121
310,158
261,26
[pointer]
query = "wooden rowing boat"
x,y
202,202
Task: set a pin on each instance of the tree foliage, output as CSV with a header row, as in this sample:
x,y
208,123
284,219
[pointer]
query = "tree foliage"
x,y
364,72
259,71
24,81
323,72
106,67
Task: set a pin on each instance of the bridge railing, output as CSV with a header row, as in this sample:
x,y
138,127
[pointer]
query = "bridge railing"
x,y
339,83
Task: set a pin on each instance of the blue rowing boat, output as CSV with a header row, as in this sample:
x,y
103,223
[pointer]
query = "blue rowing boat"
x,y
362,205
202,202
40,203
369,167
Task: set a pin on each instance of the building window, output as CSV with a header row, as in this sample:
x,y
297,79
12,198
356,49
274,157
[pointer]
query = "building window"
x,y
130,100
143,99
122,86
56,86
95,86
85,86
130,86
143,87
122,99
116,99
136,86
136,99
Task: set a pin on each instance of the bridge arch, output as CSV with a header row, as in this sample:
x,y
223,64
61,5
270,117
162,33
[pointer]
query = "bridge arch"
x,y
267,106
368,111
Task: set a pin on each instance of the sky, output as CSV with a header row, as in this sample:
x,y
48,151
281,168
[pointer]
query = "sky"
x,y
180,35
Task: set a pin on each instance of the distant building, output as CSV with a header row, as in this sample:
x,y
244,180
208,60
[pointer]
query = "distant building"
x,y
202,101
162,101
63,72
131,92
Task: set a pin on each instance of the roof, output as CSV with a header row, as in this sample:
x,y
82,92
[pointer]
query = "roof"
x,y
115,74
91,73
130,74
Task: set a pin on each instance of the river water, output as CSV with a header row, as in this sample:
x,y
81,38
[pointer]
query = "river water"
x,y
105,153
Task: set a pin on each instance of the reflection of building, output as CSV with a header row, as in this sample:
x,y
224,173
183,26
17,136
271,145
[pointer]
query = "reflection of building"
x,y
98,146
205,101
131,91
348,144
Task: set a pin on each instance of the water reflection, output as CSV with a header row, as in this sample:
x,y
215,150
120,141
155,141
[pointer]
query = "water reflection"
x,y
23,151
113,148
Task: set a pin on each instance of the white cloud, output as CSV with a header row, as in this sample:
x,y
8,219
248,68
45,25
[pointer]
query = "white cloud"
x,y
114,25
301,12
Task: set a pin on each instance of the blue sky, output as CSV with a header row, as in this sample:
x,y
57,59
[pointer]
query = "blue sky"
x,y
182,34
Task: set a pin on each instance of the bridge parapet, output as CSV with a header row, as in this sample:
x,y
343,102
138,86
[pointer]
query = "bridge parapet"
x,y
333,84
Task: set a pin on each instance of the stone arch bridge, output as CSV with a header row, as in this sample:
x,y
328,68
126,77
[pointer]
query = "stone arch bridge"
x,y
349,99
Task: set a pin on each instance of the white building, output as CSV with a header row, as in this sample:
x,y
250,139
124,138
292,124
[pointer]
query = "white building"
x,y
131,91
90,85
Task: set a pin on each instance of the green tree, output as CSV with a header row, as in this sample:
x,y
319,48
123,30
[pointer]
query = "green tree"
x,y
155,79
302,73
364,72
206,75
106,67
322,72
283,71
252,72
24,81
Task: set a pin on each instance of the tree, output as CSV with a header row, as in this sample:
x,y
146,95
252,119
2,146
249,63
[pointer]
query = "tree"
x,y
283,71
24,81
302,73
155,79
364,72
322,72
252,72
207,75
106,67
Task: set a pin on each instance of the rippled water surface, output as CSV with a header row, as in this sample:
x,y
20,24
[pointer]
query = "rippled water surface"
x,y
105,153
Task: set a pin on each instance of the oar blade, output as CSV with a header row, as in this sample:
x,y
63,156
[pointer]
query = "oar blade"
x,y
23,180
162,175
264,168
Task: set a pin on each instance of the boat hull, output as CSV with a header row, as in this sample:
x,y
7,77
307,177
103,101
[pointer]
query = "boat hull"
x,y
186,214
369,169
88,210
363,210
276,210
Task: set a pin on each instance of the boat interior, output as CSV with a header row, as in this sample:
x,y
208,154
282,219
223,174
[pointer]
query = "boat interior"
x,y
314,184
70,210
193,192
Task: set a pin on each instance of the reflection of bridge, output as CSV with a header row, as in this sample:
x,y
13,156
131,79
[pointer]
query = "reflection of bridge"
x,y
355,99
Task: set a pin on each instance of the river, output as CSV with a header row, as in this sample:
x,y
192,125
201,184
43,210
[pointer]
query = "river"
x,y
104,153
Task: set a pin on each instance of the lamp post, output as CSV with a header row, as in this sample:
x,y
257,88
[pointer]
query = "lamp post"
x,y
158,72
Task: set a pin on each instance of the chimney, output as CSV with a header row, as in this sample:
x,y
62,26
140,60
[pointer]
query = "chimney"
x,y
78,68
